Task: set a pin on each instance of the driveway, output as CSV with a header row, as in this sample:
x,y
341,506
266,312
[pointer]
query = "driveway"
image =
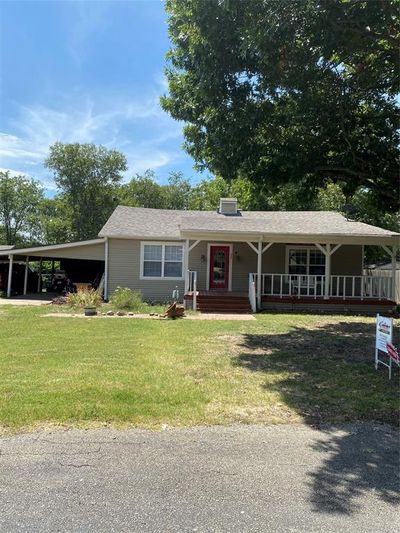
x,y
29,299
243,478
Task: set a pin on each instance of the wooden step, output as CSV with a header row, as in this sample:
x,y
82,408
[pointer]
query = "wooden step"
x,y
224,307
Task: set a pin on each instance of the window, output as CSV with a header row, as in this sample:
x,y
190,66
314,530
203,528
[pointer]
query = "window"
x,y
306,261
161,260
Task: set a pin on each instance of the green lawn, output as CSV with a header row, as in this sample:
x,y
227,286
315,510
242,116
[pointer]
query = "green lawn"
x,y
279,368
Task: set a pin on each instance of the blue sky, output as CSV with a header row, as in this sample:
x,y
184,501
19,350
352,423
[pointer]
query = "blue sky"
x,y
87,71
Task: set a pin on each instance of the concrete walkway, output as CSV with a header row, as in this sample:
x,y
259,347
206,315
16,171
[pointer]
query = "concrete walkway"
x,y
244,479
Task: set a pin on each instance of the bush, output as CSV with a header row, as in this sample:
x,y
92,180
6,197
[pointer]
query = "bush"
x,y
84,298
127,299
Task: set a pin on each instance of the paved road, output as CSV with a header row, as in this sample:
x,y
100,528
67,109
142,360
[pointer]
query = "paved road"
x,y
270,479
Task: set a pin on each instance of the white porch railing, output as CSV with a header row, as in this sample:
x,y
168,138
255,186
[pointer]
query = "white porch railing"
x,y
313,286
252,292
191,284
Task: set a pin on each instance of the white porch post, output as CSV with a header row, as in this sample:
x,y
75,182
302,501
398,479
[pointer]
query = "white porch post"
x,y
394,273
328,251
39,283
186,266
259,272
26,275
259,251
105,290
327,272
10,271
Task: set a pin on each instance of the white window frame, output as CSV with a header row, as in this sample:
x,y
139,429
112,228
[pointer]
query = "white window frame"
x,y
163,244
301,247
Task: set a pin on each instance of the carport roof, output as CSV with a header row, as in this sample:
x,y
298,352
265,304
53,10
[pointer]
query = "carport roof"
x,y
47,250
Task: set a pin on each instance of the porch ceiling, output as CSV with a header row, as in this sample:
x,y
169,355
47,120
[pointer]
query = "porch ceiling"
x,y
297,238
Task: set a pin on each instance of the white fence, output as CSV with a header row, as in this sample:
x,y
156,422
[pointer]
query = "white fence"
x,y
377,273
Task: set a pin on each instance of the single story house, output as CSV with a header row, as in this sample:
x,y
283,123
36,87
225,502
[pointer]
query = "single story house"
x,y
230,259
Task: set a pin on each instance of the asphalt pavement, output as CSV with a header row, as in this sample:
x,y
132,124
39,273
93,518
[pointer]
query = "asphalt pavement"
x,y
218,479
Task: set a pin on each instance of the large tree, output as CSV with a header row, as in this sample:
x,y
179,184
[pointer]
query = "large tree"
x,y
19,200
87,175
143,190
281,91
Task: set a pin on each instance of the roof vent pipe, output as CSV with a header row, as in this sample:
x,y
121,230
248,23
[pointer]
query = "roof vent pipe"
x,y
228,206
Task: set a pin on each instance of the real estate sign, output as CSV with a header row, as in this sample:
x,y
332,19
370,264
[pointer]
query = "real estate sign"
x,y
384,332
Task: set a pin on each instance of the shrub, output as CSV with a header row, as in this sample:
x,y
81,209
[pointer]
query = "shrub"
x,y
124,298
84,298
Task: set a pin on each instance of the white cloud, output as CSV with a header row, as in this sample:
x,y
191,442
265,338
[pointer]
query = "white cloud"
x,y
14,172
136,127
88,19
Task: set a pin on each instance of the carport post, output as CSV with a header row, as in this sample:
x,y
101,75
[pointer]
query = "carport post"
x,y
105,290
26,275
39,283
10,271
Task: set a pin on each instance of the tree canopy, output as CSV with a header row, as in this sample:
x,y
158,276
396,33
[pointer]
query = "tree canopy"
x,y
285,92
20,198
87,176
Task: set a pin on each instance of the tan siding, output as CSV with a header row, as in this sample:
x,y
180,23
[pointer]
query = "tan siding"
x,y
244,261
274,259
124,266
198,262
347,261
124,271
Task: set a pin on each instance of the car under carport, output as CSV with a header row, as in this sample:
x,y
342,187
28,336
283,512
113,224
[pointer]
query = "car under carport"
x,y
83,261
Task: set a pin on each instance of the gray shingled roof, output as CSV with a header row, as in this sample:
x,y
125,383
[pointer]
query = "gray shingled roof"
x,y
139,222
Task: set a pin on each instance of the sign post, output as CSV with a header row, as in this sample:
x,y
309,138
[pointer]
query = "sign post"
x,y
384,334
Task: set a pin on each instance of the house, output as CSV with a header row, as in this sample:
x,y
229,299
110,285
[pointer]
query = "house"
x,y
230,259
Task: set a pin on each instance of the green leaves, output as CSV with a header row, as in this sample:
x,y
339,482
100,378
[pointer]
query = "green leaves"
x,y
19,201
87,175
278,91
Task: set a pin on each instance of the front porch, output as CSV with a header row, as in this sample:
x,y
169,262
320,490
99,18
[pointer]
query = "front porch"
x,y
356,294
324,279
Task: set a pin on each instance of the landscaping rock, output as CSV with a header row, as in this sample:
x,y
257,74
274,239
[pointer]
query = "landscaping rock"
x,y
110,313
121,313
131,314
60,300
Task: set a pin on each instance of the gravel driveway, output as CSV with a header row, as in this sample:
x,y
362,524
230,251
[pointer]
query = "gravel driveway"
x,y
246,478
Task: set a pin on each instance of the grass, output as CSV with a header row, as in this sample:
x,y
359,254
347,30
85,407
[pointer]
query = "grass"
x,y
137,372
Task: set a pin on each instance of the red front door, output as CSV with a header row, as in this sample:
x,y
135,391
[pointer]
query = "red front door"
x,y
219,267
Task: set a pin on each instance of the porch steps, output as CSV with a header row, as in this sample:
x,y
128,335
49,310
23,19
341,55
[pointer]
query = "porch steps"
x,y
207,303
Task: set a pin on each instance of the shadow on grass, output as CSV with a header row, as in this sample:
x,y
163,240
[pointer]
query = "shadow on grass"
x,y
327,375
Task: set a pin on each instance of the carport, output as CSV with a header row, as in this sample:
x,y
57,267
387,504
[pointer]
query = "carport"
x,y
80,258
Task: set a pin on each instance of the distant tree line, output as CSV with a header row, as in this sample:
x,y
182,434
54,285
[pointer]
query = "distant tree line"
x,y
90,185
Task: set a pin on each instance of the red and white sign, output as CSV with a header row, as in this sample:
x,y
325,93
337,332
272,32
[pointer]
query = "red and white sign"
x,y
393,353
